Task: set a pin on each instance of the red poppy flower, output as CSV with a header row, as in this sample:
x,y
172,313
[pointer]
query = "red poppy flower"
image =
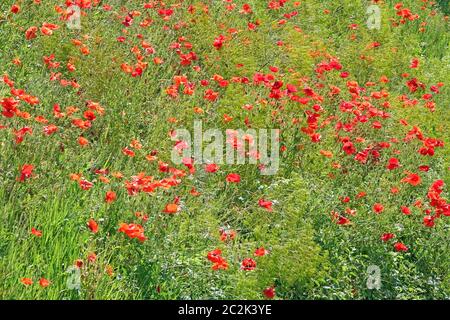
x,y
85,185
31,33
246,9
378,208
428,221
189,163
339,219
92,257
92,225
269,292
220,264
110,196
218,42
211,95
79,263
128,152
376,125
27,281
214,255
413,179
387,236
89,115
414,63
133,230
361,194
36,232
265,204
233,178
15,8
260,252
9,107
211,168
44,283
399,247
171,208
50,129
349,148
393,164
82,141
26,172
227,234
406,210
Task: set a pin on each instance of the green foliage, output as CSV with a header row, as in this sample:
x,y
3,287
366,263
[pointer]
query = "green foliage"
x,y
295,263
